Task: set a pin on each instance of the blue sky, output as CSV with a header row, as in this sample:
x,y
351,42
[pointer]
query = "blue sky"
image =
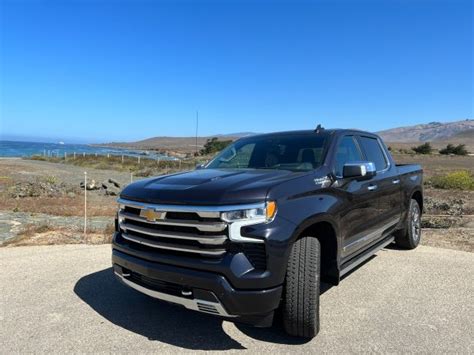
x,y
97,71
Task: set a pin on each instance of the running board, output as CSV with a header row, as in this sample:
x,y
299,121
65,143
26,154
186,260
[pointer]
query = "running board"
x,y
351,264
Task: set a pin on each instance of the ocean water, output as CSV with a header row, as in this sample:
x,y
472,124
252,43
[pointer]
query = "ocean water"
x,y
28,149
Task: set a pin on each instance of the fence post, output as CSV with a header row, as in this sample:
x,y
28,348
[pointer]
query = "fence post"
x,y
138,159
131,177
74,155
85,204
65,156
83,154
108,155
122,158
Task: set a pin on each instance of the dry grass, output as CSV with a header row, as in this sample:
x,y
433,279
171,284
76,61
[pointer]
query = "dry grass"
x,y
45,234
436,164
144,167
62,206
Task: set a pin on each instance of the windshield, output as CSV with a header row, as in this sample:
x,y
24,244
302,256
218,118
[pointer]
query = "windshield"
x,y
296,152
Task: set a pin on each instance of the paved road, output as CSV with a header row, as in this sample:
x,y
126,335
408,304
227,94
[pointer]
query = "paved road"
x,y
65,299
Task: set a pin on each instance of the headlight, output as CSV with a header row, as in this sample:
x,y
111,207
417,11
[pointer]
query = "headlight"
x,y
263,214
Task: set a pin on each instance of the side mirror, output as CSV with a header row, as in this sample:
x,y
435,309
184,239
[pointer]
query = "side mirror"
x,y
200,166
360,170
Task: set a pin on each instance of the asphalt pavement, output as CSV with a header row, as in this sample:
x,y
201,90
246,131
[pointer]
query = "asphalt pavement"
x,y
66,299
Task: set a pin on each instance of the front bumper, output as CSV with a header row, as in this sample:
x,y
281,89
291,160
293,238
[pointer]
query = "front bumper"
x,y
197,290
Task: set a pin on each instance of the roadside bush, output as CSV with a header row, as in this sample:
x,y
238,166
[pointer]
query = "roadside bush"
x,y
459,180
38,157
456,150
424,148
214,145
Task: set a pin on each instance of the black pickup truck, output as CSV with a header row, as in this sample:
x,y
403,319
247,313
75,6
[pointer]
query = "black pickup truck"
x,y
256,230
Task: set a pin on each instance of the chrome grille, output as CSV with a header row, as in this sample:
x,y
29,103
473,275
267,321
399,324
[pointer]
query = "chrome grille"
x,y
199,232
195,231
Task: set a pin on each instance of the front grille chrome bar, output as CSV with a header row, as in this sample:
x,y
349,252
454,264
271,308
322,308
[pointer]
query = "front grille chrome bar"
x,y
202,226
202,211
203,239
173,247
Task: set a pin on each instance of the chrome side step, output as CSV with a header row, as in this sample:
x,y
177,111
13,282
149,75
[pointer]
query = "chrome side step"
x,y
215,308
360,259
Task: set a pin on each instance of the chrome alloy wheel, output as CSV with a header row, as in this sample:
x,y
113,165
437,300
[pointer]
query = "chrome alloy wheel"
x,y
415,223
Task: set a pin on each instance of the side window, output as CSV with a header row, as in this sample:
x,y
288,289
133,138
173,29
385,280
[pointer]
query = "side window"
x,y
346,152
373,152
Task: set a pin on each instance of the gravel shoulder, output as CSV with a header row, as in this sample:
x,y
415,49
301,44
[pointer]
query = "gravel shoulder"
x,y
65,299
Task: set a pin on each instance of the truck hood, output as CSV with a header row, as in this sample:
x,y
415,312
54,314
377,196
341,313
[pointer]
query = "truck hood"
x,y
208,187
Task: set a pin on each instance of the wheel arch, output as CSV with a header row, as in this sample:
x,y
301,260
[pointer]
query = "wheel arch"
x,y
417,195
325,230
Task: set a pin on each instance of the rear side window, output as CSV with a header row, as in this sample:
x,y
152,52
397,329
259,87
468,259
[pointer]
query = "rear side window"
x,y
374,153
347,152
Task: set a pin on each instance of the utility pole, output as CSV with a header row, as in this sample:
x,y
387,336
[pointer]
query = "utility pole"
x,y
197,127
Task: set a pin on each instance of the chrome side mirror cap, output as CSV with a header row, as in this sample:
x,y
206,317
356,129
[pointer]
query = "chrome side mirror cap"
x,y
360,170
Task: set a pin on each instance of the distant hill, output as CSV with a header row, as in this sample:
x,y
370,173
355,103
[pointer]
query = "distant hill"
x,y
460,132
434,131
174,146
465,137
236,135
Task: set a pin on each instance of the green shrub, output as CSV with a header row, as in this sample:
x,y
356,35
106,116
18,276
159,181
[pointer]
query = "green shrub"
x,y
38,157
456,150
214,145
459,180
424,148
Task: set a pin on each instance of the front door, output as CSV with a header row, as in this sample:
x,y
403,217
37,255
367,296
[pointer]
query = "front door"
x,y
360,206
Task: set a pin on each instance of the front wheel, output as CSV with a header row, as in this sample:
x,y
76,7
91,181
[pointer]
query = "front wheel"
x,y
410,236
301,295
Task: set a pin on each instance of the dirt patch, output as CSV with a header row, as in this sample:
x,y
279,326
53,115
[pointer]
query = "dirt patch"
x,y
452,238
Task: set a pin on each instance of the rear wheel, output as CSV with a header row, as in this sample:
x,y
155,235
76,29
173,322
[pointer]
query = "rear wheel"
x,y
301,296
410,236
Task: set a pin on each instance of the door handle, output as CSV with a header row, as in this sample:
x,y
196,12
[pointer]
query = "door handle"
x,y
372,187
396,181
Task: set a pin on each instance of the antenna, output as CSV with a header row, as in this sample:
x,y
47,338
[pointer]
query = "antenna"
x,y
197,127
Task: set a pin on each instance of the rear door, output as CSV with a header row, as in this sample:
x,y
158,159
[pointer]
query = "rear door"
x,y
385,185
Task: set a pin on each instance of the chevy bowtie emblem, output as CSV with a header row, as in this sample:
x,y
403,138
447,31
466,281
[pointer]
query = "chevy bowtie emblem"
x,y
151,215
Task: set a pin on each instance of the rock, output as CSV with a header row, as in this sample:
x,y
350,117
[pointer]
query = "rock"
x,y
71,194
115,182
112,191
93,185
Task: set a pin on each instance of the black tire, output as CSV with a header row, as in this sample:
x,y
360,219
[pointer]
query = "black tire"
x,y
410,236
300,306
